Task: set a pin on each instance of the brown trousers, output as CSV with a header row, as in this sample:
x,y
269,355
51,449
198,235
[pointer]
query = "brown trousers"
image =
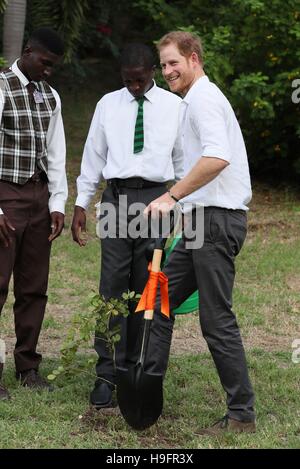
x,y
28,259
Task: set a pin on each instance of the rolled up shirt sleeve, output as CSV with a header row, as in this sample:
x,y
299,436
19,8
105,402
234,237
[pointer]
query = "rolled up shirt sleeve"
x,y
210,126
93,159
56,156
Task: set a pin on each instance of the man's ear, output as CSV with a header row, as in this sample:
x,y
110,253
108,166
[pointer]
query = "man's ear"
x,y
27,50
195,58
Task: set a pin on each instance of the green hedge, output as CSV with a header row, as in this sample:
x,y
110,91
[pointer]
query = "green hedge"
x,y
253,54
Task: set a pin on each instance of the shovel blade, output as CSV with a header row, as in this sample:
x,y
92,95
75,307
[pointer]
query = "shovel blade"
x,y
140,396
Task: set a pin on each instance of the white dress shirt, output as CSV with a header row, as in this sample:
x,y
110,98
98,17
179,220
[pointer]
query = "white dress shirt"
x,y
56,150
209,128
108,151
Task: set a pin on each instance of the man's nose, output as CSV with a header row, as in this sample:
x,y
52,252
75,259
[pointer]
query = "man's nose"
x,y
167,70
135,88
47,71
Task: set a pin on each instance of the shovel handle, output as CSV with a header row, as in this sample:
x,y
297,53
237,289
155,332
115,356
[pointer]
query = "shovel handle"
x,y
155,267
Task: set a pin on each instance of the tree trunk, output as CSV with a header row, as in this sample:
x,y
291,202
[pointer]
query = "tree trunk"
x,y
13,29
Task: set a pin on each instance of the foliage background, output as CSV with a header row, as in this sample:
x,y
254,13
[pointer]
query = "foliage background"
x,y
251,52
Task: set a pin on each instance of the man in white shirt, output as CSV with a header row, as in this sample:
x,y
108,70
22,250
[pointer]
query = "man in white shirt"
x,y
133,144
216,175
32,156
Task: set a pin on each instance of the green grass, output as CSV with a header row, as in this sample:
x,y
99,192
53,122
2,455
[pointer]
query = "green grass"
x,y
61,420
267,304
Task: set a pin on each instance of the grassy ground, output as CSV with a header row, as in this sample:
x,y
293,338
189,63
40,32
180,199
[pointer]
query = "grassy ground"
x,y
266,301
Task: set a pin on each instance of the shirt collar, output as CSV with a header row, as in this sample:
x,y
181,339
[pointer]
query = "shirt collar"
x,y
15,69
150,95
202,81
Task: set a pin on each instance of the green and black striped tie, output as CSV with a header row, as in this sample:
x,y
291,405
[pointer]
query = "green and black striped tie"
x,y
139,127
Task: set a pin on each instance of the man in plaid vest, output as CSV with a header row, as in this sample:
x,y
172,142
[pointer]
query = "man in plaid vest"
x,y
33,192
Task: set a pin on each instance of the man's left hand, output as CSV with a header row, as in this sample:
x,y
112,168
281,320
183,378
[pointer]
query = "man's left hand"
x,y
57,224
160,207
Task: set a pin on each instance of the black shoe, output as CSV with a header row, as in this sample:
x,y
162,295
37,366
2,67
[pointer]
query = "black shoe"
x,y
102,395
31,379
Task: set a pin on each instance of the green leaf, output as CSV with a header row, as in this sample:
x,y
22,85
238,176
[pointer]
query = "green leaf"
x,y
51,377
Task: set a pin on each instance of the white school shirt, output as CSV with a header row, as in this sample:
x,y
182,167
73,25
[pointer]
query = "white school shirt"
x,y
108,151
210,128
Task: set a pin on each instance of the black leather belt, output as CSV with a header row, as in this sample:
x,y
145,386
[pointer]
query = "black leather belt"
x,y
223,209
134,183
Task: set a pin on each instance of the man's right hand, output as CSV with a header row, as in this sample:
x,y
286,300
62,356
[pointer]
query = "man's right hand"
x,y
79,225
5,229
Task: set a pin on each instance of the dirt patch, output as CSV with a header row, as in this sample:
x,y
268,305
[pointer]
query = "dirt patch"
x,y
99,419
51,338
187,337
110,421
269,210
294,283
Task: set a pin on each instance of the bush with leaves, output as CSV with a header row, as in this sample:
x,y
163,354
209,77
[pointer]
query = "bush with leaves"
x,y
252,53
88,324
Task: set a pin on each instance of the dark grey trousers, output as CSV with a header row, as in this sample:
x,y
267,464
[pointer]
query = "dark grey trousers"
x,y
210,269
123,267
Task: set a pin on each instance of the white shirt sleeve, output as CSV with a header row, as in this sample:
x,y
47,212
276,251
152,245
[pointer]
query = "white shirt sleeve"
x,y
56,149
208,120
177,157
93,159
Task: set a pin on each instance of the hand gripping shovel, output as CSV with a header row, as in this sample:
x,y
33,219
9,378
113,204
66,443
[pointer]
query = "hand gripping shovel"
x,y
140,393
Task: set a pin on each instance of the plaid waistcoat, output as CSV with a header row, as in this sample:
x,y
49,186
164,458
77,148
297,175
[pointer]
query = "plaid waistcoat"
x,y
23,129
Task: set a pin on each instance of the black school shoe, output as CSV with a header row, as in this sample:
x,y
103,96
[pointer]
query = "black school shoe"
x,y
31,379
102,395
